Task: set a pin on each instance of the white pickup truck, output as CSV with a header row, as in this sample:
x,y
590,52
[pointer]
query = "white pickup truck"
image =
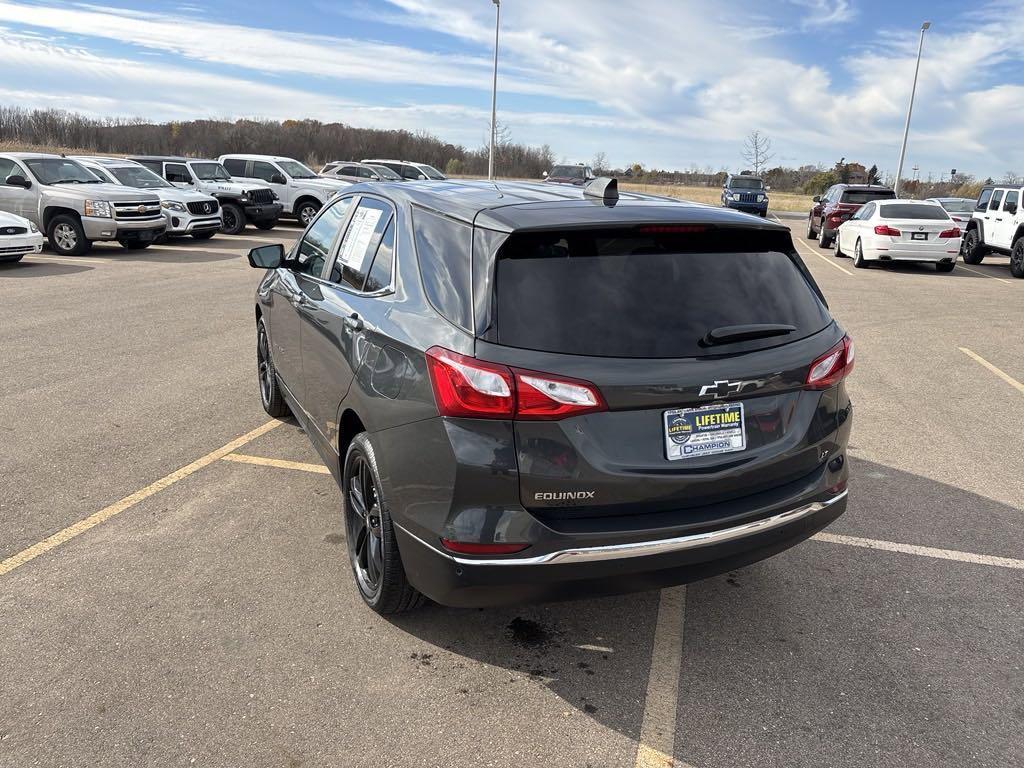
x,y
301,190
997,225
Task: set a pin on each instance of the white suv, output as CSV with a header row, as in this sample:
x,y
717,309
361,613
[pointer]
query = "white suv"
x,y
188,212
997,225
301,191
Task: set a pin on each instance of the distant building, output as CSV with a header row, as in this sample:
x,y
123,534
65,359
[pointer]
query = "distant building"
x,y
856,174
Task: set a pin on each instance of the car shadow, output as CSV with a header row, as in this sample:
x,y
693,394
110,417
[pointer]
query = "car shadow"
x,y
23,269
596,654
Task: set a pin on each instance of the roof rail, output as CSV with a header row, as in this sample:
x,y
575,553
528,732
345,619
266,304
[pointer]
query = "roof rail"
x,y
603,187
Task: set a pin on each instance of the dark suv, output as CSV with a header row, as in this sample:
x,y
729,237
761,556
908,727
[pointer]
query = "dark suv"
x,y
837,205
745,193
529,392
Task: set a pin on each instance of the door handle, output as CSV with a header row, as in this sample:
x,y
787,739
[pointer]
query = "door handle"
x,y
998,219
353,322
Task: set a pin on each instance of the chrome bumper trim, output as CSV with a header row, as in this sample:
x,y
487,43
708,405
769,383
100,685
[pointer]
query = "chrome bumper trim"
x,y
661,546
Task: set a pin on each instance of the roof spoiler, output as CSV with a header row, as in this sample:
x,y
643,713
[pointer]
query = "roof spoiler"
x,y
603,187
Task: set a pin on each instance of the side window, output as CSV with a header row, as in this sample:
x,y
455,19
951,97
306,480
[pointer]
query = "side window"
x,y
263,170
7,168
365,173
443,248
383,263
409,172
866,212
983,199
997,198
362,238
1010,203
177,172
235,166
311,255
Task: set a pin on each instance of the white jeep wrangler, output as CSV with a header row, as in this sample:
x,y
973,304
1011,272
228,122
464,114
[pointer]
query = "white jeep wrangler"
x,y
302,192
997,225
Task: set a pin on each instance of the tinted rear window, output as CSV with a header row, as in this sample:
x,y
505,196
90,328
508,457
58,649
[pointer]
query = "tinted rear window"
x,y
911,211
626,293
861,196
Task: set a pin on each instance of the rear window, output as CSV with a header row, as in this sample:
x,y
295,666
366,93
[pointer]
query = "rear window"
x,y
911,211
861,196
958,206
631,293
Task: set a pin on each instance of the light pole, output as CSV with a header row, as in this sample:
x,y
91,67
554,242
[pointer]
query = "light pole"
x,y
910,108
494,90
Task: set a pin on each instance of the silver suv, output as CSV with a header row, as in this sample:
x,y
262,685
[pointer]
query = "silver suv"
x,y
350,170
187,211
74,207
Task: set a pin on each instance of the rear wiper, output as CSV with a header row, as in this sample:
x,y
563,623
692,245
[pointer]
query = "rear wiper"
x,y
729,334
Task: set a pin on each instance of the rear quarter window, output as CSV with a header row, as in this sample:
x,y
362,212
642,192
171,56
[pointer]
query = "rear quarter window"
x,y
635,293
444,248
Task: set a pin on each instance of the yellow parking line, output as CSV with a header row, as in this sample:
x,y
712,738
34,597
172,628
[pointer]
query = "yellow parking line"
x,y
1000,373
983,274
658,728
828,260
77,529
71,259
280,463
913,549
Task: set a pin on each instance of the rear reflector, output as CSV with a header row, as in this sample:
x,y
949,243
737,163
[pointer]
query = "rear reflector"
x,y
474,548
885,229
954,232
465,386
833,366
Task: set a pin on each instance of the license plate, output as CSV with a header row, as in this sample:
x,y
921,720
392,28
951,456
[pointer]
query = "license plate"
x,y
704,431
145,235
918,235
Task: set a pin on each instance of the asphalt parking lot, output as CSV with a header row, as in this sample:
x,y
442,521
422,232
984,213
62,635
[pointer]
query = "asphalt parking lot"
x,y
174,588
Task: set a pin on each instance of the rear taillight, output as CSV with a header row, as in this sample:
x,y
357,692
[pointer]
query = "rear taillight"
x,y
884,229
831,367
465,386
954,232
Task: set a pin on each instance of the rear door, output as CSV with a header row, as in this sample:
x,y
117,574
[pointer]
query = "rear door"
x,y
340,322
630,311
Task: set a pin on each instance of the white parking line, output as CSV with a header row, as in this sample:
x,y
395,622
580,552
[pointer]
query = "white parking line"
x,y
830,260
998,372
983,274
71,259
913,549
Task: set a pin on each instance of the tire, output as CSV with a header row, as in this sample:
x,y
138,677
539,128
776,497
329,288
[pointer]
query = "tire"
x,y
824,241
811,233
266,224
66,235
204,235
1017,258
972,249
271,396
836,250
134,245
858,256
370,535
307,211
945,267
233,219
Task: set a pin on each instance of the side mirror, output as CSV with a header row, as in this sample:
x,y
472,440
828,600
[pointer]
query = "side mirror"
x,y
1012,209
816,199
421,177
544,174
767,189
17,180
267,256
278,178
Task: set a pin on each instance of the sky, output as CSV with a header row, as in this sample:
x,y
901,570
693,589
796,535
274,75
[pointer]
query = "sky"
x,y
671,84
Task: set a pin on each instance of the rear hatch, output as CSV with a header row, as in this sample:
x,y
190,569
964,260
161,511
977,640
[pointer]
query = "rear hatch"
x,y
630,311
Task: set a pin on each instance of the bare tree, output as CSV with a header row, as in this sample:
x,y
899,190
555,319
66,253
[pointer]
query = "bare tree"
x,y
757,151
599,163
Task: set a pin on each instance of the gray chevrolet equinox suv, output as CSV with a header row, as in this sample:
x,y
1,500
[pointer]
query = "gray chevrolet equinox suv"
x,y
529,392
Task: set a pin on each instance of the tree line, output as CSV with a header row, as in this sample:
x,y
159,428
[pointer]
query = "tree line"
x,y
311,141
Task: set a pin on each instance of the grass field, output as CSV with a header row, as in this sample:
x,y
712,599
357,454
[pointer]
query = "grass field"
x,y
777,201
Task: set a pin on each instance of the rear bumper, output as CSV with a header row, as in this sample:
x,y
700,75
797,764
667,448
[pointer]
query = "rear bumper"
x,y
590,571
938,253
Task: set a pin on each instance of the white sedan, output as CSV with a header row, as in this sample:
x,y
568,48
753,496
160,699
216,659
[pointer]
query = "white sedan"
x,y
900,230
18,237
